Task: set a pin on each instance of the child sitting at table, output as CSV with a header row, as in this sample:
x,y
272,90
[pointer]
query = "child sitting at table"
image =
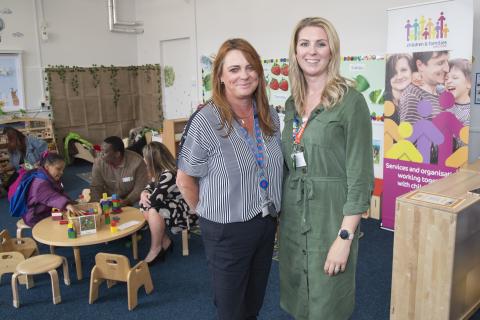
x,y
161,202
45,190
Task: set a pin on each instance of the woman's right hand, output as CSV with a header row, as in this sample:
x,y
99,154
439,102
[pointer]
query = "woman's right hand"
x,y
145,199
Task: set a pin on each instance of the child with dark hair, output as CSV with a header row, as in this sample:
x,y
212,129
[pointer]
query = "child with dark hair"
x,y
24,151
161,202
45,190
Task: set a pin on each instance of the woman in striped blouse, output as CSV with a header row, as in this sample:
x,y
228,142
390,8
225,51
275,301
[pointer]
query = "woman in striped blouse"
x,y
230,171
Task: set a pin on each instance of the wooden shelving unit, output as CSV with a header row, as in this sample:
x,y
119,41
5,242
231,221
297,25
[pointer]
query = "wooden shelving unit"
x,y
172,133
41,128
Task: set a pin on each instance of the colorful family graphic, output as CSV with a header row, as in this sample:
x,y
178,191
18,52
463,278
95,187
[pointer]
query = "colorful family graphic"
x,y
441,140
425,29
431,93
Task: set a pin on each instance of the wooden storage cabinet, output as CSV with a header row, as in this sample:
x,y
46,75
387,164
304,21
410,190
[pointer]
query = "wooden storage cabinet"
x,y
172,133
436,256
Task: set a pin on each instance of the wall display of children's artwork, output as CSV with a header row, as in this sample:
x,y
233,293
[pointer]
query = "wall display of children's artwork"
x,y
11,81
87,224
206,63
368,72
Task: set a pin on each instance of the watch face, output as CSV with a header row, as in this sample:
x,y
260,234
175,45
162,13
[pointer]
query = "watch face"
x,y
344,234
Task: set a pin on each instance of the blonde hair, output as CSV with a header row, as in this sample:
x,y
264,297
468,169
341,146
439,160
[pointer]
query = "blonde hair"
x,y
158,159
336,85
260,96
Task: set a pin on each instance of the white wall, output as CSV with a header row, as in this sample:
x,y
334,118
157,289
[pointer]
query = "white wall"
x,y
77,35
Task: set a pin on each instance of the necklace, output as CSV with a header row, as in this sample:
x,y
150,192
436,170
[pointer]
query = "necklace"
x,y
243,121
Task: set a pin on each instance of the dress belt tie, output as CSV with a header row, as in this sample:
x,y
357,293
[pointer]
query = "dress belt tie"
x,y
305,191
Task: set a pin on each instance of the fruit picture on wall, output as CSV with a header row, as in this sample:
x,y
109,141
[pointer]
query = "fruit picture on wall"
x,y
278,86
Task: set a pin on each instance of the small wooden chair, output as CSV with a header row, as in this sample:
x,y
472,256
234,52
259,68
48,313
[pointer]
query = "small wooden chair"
x,y
27,246
21,226
37,265
114,267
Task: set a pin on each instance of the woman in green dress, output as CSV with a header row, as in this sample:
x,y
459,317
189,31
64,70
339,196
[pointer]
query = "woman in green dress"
x,y
327,146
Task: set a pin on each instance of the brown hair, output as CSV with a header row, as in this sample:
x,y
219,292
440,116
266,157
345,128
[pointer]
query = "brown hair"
x,y
391,71
158,159
260,96
16,140
336,85
463,65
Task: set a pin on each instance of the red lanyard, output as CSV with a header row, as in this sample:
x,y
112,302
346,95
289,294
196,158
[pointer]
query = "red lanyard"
x,y
298,132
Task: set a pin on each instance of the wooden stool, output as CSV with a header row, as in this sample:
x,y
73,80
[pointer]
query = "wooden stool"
x,y
114,267
27,246
37,265
9,262
20,227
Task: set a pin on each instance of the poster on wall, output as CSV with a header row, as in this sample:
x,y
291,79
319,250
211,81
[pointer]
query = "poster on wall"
x,y
11,82
427,96
368,72
278,85
206,63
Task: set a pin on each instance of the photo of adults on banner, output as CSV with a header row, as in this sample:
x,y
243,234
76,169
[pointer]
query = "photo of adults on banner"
x,y
427,96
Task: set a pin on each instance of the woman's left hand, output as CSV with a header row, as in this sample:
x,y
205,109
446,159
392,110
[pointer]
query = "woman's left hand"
x,y
337,257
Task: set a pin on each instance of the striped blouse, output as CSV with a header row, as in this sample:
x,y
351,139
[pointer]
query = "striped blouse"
x,y
462,112
226,168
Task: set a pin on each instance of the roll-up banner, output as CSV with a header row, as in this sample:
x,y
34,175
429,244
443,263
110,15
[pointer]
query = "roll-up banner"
x,y
427,96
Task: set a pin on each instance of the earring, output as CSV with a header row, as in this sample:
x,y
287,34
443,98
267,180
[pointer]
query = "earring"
x,y
221,82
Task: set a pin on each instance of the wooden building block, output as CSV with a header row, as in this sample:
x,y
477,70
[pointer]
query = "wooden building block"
x,y
375,206
436,256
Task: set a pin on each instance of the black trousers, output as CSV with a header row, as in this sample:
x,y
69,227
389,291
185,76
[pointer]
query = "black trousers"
x,y
239,256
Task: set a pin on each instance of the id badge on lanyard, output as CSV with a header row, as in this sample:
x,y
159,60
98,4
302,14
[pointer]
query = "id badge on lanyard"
x,y
298,156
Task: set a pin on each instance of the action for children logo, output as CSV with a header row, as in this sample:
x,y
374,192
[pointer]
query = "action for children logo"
x,y
431,33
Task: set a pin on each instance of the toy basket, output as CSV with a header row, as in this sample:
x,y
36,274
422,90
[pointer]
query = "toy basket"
x,y
83,223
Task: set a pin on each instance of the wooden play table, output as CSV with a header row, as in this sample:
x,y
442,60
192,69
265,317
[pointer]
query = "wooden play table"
x,y
52,233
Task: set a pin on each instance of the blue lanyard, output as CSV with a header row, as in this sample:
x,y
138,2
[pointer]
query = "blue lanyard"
x,y
257,148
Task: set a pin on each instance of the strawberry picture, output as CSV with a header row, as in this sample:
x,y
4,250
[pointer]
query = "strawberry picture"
x,y
274,84
276,70
284,69
283,85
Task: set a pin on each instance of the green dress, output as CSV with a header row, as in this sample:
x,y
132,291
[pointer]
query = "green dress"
x,y
337,181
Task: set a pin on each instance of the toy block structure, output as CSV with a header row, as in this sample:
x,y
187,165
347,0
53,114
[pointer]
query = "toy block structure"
x,y
113,268
376,201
